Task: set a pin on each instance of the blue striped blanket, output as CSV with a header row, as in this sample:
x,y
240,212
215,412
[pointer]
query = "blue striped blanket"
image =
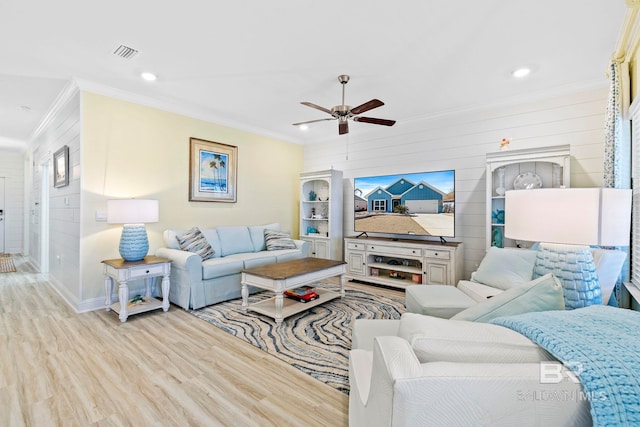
x,y
605,343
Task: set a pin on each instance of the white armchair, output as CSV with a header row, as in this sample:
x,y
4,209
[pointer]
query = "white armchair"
x,y
469,374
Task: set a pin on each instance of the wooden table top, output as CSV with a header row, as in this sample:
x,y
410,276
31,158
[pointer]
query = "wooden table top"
x,y
296,267
148,260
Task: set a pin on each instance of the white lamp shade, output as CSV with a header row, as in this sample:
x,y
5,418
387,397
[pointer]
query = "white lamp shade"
x,y
577,216
132,211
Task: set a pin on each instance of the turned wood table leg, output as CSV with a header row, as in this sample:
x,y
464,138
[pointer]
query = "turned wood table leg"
x,y
245,297
108,290
279,302
123,293
165,293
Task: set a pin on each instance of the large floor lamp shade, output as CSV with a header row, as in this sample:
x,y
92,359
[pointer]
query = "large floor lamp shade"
x,y
133,214
566,222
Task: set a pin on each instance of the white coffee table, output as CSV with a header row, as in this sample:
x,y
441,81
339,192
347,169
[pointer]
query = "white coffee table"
x,y
290,275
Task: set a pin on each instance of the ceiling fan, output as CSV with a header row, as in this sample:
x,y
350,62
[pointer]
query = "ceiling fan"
x,y
344,112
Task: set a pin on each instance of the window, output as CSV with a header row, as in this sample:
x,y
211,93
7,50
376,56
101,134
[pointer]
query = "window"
x,y
380,205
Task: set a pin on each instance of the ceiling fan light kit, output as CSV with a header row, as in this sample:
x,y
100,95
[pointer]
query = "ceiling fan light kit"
x,y
343,112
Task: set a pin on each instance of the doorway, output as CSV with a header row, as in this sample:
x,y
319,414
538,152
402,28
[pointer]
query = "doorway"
x,y
44,218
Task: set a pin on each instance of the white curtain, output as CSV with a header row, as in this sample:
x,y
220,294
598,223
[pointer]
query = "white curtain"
x,y
617,146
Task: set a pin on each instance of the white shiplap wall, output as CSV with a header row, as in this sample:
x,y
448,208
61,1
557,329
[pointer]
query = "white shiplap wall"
x,y
461,141
61,128
12,170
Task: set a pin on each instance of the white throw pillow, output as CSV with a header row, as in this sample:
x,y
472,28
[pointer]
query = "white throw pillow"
x,y
542,294
504,268
434,339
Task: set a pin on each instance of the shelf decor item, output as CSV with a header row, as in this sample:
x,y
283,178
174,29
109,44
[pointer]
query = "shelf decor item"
x,y
212,171
501,189
312,196
133,214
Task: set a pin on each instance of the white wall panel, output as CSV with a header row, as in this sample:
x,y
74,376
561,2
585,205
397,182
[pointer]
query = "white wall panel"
x,y
461,141
61,128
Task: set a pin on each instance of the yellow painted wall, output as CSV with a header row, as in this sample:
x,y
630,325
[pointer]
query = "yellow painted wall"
x,y
129,150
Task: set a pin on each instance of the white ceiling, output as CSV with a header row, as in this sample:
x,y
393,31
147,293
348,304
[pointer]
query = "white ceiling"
x,y
249,63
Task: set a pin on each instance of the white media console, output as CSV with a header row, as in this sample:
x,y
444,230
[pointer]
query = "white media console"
x,y
401,263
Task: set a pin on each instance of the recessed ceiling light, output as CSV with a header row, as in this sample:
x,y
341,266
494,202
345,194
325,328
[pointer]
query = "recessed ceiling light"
x,y
148,76
521,72
303,127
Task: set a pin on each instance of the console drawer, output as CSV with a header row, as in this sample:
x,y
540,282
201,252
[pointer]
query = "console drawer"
x,y
430,253
355,246
394,250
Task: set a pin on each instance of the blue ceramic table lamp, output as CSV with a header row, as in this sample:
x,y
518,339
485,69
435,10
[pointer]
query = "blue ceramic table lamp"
x,y
133,213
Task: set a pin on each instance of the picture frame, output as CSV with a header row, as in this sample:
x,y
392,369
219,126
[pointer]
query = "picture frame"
x,y
61,167
213,171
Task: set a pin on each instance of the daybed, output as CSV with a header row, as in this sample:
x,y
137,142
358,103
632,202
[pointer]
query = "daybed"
x,y
196,283
502,269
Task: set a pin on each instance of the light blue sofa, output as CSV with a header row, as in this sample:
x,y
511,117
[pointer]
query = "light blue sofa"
x,y
196,283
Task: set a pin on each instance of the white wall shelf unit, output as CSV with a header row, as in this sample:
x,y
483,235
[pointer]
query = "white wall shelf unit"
x,y
400,263
321,213
542,167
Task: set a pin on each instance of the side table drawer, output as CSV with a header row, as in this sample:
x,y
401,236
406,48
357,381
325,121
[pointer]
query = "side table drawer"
x,y
148,270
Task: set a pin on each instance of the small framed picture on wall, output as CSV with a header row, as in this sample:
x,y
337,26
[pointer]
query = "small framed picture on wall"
x,y
61,167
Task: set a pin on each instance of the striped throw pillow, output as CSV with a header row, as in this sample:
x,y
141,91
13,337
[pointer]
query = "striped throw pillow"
x,y
194,241
276,240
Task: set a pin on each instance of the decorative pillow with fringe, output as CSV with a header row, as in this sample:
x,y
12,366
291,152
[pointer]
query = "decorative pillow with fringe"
x,y
276,240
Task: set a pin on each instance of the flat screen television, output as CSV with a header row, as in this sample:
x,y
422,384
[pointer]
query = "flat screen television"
x,y
410,204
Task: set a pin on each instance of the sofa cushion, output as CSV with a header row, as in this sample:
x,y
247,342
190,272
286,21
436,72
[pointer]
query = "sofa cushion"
x,y
220,267
234,239
255,259
434,339
542,294
276,240
287,254
171,238
212,237
257,235
504,268
194,241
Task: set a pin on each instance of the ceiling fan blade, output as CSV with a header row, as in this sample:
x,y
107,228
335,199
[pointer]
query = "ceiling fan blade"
x,y
343,127
375,121
311,121
317,107
369,105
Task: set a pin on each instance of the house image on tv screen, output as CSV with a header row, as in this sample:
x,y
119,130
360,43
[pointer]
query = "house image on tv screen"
x,y
422,204
418,198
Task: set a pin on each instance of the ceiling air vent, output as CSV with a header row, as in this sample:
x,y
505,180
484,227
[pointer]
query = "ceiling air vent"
x,y
125,52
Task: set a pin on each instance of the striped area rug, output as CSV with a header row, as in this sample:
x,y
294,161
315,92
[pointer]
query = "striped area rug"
x,y
316,341
6,264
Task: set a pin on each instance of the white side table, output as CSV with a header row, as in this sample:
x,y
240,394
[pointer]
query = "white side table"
x,y
121,271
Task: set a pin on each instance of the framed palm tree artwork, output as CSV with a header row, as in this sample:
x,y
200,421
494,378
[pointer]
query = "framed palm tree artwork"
x,y
213,171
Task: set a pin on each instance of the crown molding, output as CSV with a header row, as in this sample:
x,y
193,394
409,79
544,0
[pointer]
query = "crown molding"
x,y
176,108
65,95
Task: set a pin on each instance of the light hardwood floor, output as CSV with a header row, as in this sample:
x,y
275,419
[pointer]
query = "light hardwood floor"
x,y
60,368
